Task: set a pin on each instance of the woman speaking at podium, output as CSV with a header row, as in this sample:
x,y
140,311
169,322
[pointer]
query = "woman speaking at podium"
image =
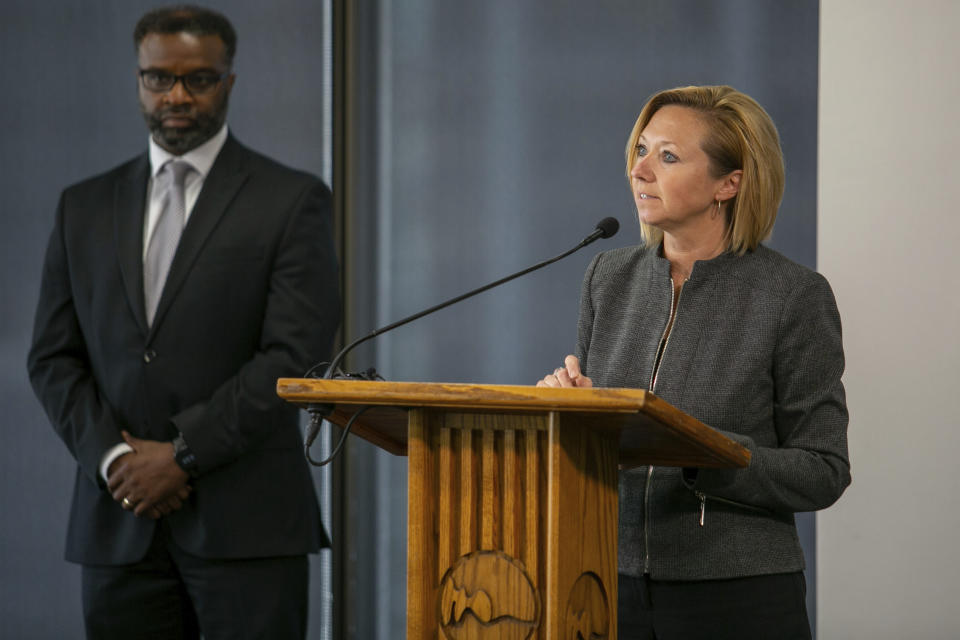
x,y
709,319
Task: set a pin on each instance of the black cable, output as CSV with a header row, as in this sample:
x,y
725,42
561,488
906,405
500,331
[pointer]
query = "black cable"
x,y
316,419
309,373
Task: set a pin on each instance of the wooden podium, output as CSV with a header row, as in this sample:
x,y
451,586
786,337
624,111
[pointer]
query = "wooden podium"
x,y
512,512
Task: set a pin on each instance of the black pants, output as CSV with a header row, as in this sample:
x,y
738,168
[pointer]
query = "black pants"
x,y
754,608
171,595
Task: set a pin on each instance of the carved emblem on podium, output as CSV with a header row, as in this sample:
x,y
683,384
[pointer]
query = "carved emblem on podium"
x,y
488,594
587,616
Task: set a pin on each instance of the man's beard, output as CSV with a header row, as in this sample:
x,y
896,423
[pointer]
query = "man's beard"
x,y
179,140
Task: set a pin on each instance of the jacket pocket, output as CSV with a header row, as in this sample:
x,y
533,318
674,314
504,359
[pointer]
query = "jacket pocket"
x,y
702,497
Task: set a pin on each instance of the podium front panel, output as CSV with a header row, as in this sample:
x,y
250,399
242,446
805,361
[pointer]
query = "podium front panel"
x,y
512,527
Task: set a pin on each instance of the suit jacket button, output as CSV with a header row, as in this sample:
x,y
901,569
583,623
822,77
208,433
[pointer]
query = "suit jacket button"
x,y
149,355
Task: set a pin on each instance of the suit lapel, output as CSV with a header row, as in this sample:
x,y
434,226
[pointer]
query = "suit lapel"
x,y
220,187
128,212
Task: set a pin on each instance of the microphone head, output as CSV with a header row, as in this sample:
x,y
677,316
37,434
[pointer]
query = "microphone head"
x,y
608,227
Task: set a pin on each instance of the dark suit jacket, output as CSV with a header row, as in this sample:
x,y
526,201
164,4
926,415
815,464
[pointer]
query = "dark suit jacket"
x,y
251,296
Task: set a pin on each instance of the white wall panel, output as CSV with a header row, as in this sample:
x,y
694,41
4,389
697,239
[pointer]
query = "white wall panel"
x,y
888,234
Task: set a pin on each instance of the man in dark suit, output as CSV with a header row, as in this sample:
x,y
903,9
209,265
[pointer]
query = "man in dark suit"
x,y
176,289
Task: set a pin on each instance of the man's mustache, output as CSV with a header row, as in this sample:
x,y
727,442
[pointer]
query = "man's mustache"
x,y
174,111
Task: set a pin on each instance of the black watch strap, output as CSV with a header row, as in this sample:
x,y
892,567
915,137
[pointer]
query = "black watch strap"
x,y
184,456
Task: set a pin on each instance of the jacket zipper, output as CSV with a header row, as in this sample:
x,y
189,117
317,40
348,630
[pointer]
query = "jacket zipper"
x,y
703,505
658,360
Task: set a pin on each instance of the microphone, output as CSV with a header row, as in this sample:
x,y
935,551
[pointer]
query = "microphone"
x,y
606,228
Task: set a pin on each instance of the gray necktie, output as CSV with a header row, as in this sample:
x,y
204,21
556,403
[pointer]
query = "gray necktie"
x,y
166,233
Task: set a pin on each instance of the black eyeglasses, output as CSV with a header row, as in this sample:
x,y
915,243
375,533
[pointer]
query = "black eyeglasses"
x,y
196,83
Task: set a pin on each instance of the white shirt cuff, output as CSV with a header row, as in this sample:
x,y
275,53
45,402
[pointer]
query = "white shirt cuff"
x,y
112,454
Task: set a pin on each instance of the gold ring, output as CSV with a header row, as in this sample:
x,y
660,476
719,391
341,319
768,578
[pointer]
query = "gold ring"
x,y
127,503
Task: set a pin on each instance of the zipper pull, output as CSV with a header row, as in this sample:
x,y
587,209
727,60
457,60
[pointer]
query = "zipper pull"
x,y
703,505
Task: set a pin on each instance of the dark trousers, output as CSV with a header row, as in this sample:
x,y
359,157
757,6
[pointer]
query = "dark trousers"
x,y
171,595
754,608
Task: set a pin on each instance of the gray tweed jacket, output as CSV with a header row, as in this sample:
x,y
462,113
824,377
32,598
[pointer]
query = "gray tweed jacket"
x,y
755,352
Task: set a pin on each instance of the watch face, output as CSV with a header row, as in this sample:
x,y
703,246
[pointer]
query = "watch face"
x,y
183,455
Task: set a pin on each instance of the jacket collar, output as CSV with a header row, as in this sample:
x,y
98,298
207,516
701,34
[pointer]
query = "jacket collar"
x,y
702,269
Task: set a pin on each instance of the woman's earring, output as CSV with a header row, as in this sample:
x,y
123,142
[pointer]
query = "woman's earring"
x,y
716,214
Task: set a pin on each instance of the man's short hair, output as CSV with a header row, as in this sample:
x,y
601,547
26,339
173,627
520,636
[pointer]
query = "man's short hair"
x,y
198,21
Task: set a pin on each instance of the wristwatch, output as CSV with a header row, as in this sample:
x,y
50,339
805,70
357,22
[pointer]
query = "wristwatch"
x,y
184,456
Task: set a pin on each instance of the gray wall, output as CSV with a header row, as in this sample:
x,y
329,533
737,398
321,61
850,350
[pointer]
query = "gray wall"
x,y
70,111
499,137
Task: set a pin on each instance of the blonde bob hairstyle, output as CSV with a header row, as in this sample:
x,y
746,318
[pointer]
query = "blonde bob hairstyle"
x,y
741,136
